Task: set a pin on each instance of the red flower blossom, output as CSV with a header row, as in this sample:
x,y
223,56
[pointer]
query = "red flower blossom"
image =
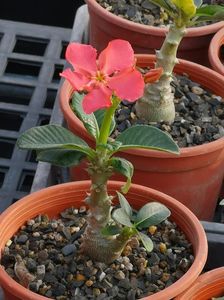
x,y
113,73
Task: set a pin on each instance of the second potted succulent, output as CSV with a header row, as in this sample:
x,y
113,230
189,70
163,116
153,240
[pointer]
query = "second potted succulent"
x,y
188,176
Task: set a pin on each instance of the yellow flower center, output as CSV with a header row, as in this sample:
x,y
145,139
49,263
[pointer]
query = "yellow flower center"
x,y
100,77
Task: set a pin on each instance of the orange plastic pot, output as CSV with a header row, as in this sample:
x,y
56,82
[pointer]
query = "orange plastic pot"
x,y
105,26
53,200
194,177
207,286
215,60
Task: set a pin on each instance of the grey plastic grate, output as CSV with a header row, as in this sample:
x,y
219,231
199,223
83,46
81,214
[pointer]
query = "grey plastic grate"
x,y
31,57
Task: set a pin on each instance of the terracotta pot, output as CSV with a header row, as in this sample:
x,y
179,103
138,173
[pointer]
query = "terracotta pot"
x,y
208,285
55,199
215,60
105,26
194,177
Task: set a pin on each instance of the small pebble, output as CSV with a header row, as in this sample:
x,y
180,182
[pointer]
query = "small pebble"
x,y
152,229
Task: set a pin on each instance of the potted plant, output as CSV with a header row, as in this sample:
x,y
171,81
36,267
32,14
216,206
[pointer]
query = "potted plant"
x,y
209,285
215,52
107,232
105,26
190,173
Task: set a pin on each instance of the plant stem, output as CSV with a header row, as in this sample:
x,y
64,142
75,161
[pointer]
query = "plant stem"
x,y
94,244
157,103
107,120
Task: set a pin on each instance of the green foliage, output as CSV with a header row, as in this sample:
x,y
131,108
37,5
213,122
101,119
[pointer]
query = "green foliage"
x,y
61,157
191,12
53,137
148,137
167,5
111,146
187,8
89,121
209,13
180,10
124,167
146,241
150,214
120,216
111,230
125,205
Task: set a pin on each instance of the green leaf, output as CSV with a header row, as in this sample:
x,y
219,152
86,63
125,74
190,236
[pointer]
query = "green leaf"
x,y
146,241
120,216
188,8
210,13
148,137
209,10
150,214
125,205
52,137
124,167
111,146
111,230
99,114
89,121
61,157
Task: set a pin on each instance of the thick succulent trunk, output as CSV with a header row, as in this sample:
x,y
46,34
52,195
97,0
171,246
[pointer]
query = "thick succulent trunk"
x,y
94,244
157,103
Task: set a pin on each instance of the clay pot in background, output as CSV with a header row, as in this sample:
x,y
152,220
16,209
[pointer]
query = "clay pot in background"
x,y
105,26
214,53
207,286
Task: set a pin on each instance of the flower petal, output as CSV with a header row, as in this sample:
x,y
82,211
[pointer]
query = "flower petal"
x,y
118,56
98,98
153,75
81,57
128,85
77,80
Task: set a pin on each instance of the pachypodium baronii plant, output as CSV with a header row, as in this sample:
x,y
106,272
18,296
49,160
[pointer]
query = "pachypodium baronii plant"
x,y
99,85
157,103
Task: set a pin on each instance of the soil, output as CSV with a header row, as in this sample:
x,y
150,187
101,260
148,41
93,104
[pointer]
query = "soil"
x,y
44,256
199,114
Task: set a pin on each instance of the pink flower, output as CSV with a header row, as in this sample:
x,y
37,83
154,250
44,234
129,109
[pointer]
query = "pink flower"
x,y
113,73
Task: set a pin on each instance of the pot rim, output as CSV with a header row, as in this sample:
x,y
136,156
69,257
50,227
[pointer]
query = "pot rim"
x,y
185,151
191,32
214,51
185,218
203,284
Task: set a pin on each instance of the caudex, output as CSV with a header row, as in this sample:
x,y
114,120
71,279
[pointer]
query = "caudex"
x,y
157,103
